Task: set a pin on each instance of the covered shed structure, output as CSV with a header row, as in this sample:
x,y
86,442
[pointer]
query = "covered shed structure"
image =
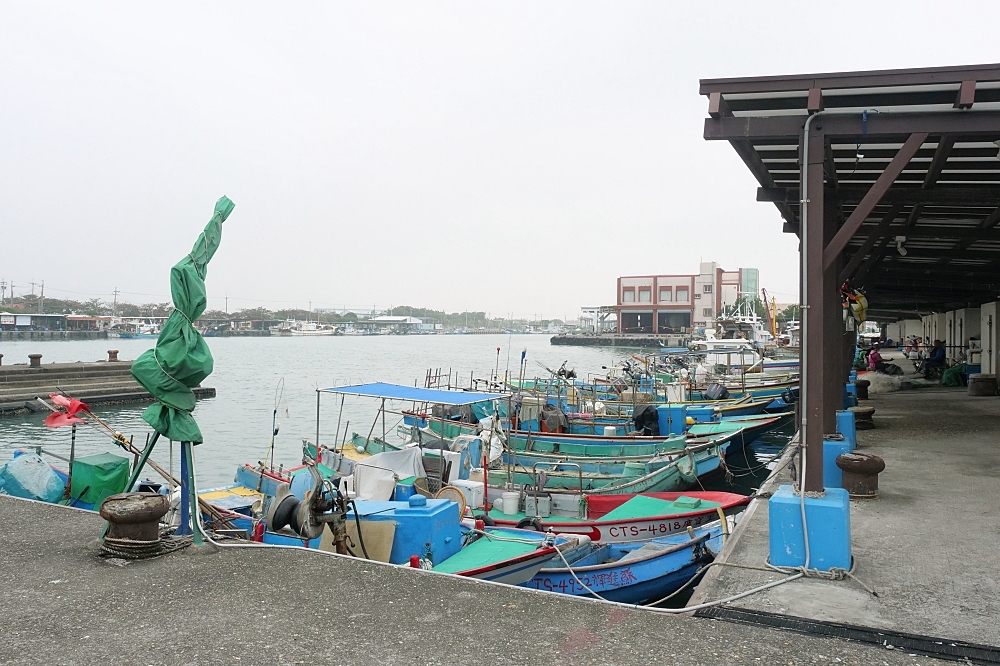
x,y
891,180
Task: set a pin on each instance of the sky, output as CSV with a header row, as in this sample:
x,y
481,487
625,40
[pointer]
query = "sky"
x,y
508,157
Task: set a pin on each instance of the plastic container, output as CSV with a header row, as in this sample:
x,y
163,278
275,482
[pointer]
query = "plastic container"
x,y
610,431
701,414
672,418
473,491
426,527
538,505
510,502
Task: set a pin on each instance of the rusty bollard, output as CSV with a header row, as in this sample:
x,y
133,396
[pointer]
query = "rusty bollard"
x,y
112,355
863,418
860,474
34,360
133,524
862,387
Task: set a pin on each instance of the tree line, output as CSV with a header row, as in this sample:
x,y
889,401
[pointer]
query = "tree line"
x,y
96,307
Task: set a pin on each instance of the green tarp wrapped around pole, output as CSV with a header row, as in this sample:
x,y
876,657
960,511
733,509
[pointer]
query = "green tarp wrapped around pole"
x,y
181,359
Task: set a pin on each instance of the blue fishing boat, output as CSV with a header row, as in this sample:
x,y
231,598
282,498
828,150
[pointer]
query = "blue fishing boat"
x,y
632,573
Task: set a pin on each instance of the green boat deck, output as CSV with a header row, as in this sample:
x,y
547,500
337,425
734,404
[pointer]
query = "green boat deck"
x,y
484,551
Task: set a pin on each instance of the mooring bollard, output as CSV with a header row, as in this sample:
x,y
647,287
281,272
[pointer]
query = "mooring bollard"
x,y
133,524
860,474
112,355
1,359
863,418
862,387
34,360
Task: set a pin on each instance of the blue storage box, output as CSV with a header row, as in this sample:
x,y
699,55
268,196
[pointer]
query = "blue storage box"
x,y
701,414
672,418
425,527
850,395
829,525
404,491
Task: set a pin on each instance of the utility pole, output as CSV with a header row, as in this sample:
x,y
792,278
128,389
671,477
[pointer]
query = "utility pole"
x,y
3,291
33,285
41,301
114,308
227,304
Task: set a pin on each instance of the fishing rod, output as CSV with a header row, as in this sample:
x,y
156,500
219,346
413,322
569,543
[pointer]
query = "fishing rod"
x,y
279,393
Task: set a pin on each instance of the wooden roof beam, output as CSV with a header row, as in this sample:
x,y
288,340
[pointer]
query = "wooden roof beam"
x,y
871,199
945,144
873,237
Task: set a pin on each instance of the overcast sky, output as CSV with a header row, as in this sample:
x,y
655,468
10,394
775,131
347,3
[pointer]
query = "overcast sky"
x,y
508,157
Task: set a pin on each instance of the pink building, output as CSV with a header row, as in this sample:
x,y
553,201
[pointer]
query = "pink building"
x,y
677,303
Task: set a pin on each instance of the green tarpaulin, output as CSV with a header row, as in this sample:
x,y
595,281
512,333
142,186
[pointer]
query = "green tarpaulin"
x,y
98,477
181,359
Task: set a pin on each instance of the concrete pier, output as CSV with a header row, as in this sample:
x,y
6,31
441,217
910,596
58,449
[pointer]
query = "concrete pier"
x,y
12,336
64,605
103,382
927,545
644,341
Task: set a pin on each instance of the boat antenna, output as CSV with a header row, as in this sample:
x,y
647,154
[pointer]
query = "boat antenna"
x,y
279,392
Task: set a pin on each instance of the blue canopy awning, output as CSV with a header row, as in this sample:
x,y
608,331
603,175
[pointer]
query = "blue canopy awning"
x,y
400,392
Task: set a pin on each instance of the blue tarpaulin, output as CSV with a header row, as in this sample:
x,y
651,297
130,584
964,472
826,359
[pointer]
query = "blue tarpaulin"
x,y
400,392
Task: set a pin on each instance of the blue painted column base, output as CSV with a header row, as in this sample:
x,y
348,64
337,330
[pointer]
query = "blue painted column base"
x,y
829,524
850,395
845,426
833,446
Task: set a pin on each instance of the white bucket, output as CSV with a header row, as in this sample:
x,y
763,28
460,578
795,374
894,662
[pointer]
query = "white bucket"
x,y
510,502
610,431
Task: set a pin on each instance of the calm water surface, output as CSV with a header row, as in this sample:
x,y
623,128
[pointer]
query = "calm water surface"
x,y
237,423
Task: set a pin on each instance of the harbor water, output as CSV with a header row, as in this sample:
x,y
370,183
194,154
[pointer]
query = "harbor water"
x,y
237,423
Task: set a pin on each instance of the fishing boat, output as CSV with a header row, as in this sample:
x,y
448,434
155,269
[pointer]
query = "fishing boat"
x,y
628,518
506,555
632,573
427,533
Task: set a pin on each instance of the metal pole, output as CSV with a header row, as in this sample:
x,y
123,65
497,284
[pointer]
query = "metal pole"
x,y
317,420
185,524
142,462
337,434
72,456
812,297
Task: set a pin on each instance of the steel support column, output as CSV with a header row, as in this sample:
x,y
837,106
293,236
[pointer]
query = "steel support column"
x,y
813,316
834,341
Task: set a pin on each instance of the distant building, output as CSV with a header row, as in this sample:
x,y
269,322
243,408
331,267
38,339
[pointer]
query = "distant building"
x,y
676,303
